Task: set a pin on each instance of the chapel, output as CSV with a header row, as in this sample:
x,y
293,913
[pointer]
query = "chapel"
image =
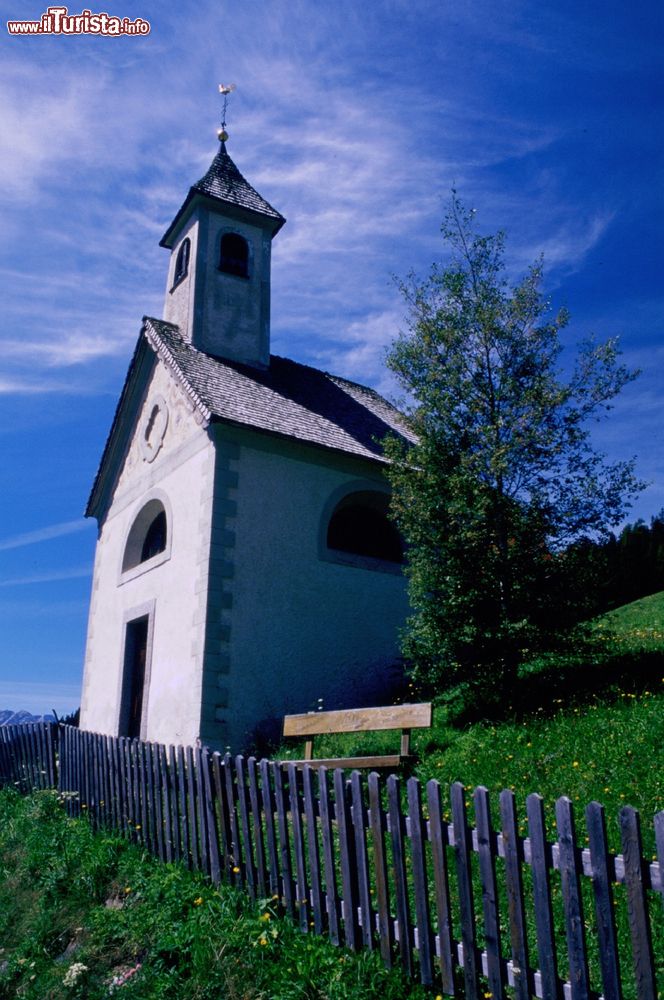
x,y
245,565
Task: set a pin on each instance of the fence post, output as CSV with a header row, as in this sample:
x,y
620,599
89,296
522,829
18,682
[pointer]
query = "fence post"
x,y
204,854
462,851
243,803
398,836
602,878
517,918
420,881
439,840
487,849
359,816
313,850
637,905
377,826
302,891
572,902
348,861
214,865
540,864
270,833
659,841
259,842
284,840
331,888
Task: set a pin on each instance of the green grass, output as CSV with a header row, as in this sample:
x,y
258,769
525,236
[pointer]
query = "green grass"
x,y
588,725
78,909
609,753
591,729
636,627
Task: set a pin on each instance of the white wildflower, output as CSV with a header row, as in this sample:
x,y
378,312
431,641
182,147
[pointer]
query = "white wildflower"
x,y
74,973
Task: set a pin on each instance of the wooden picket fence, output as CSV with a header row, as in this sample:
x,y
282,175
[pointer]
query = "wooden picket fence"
x,y
470,910
28,756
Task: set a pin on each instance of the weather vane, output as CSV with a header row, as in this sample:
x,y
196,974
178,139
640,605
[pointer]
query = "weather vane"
x,y
225,89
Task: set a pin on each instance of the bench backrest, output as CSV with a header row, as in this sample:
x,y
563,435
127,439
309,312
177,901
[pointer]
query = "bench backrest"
x,y
356,720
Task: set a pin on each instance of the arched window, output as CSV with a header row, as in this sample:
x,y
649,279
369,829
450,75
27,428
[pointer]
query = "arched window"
x,y
148,536
360,526
155,537
234,256
182,262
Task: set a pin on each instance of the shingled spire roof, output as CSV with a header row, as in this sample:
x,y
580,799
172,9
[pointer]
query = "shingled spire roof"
x,y
223,182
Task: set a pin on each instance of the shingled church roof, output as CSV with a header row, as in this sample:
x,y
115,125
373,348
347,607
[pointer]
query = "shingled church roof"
x,y
224,182
288,399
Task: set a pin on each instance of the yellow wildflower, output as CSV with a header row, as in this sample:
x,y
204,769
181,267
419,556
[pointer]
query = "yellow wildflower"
x,y
198,901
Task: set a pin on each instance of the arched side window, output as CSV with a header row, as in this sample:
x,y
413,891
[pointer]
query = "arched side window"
x,y
155,537
182,261
148,538
360,526
234,255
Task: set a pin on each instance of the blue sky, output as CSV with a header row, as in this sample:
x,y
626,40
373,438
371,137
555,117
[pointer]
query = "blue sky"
x,y
354,120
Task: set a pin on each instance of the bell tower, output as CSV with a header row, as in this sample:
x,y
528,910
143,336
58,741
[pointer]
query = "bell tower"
x,y
218,285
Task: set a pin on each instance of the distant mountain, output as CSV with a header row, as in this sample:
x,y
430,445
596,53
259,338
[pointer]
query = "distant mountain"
x,y
9,718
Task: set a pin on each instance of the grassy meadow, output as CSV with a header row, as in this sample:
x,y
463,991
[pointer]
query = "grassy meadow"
x,y
85,915
591,730
88,915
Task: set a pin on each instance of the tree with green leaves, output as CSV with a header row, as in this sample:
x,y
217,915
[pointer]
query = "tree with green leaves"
x,y
504,476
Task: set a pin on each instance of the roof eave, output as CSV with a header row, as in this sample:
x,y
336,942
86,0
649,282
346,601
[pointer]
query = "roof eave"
x,y
113,440
381,460
148,339
162,352
267,221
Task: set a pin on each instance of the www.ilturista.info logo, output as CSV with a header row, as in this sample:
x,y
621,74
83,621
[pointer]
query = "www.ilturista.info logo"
x,y
58,21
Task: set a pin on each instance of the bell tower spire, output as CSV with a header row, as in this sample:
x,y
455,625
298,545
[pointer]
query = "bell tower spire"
x,y
218,286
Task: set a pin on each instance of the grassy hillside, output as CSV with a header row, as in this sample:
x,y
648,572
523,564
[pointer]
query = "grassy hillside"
x,y
636,627
83,914
593,730
87,916
589,725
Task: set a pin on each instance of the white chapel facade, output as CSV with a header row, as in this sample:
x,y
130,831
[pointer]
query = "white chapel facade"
x,y
245,566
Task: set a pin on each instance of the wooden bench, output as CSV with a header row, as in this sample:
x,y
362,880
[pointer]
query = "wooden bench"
x,y
356,720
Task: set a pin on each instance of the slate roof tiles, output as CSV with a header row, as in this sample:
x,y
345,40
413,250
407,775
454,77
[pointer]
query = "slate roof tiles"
x,y
288,399
224,181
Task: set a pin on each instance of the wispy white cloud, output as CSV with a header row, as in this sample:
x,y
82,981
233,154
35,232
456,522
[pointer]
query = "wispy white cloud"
x,y
570,244
43,534
72,349
52,576
24,387
358,350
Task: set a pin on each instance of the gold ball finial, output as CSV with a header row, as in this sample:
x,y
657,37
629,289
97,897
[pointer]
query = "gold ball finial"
x,y
222,135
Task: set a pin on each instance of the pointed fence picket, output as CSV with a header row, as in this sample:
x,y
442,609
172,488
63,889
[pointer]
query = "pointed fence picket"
x,y
471,910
